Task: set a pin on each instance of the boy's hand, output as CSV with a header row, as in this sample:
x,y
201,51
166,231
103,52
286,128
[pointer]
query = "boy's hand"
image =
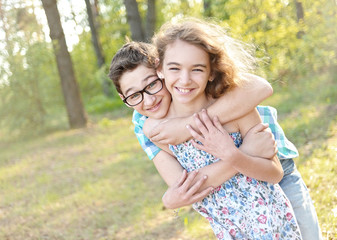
x,y
259,142
184,192
214,138
171,131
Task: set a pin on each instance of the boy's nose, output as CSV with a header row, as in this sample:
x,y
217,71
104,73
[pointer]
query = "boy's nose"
x,y
149,99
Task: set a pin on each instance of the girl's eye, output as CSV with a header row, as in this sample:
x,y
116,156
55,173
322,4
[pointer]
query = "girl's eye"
x,y
173,69
198,70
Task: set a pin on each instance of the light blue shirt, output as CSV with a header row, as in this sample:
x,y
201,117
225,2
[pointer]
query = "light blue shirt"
x,y
286,149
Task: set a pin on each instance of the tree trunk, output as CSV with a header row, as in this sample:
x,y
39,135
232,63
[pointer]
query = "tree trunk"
x,y
299,11
94,35
97,46
150,20
75,110
207,8
300,17
134,20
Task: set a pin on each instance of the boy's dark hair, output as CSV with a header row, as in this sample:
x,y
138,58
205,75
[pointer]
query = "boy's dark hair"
x,y
129,57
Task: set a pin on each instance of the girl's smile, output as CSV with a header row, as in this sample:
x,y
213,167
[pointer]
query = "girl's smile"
x,y
187,70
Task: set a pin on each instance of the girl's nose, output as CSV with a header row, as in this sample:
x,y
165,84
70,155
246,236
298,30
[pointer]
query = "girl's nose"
x,y
184,77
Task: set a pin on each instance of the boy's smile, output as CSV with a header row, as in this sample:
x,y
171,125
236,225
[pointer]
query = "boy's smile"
x,y
154,106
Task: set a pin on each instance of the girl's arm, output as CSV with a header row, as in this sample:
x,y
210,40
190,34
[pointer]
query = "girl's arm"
x,y
229,107
214,138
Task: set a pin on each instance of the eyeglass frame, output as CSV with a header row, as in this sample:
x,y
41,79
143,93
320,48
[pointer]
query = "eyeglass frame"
x,y
142,92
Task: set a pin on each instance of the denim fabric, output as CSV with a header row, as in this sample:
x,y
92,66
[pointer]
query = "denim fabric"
x,y
298,194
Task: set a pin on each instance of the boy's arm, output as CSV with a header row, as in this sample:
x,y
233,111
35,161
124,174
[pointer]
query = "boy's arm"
x,y
230,106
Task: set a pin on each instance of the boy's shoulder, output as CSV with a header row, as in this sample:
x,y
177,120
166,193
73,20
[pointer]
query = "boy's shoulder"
x,y
149,124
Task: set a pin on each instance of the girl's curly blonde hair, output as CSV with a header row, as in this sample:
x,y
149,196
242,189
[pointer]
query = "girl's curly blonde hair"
x,y
228,57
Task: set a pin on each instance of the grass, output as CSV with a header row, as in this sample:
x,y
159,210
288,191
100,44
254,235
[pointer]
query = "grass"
x,y
97,184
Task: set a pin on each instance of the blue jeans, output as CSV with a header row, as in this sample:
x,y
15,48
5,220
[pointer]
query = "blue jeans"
x,y
298,194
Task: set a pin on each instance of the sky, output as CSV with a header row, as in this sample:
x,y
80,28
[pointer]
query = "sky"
x,y
70,28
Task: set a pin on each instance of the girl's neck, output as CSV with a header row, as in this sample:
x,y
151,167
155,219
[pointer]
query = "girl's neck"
x,y
178,109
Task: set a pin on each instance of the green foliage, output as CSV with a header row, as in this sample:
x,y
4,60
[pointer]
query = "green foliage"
x,y
272,26
101,104
30,92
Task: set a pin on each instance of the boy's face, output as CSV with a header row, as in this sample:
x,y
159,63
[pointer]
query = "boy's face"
x,y
153,106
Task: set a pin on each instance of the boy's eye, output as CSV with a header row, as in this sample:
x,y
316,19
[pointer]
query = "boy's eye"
x,y
173,68
152,85
134,96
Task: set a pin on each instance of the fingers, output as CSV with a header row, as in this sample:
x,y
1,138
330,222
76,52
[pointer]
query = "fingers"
x,y
194,134
193,194
182,178
259,127
200,124
188,181
193,189
207,121
154,133
218,125
199,146
199,196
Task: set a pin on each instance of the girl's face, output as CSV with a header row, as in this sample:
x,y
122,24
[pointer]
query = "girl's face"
x,y
187,70
154,106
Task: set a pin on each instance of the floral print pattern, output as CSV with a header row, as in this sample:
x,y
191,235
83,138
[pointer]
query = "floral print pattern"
x,y
242,207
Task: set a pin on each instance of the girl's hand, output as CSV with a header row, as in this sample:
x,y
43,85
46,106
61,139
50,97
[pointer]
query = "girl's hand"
x,y
184,192
259,142
214,138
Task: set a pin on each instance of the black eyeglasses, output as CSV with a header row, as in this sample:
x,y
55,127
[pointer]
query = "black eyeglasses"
x,y
137,97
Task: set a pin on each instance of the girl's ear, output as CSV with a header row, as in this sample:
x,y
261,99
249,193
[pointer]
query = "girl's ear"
x,y
159,69
157,62
211,77
160,74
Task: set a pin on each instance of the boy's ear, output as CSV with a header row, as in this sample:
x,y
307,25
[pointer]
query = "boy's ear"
x,y
122,97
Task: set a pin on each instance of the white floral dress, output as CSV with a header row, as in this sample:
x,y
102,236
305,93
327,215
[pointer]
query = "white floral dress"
x,y
242,207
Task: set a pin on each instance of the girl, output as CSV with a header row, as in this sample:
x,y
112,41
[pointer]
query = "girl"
x,y
197,71
133,72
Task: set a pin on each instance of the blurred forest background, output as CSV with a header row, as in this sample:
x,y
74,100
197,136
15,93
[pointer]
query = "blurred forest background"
x,y
70,165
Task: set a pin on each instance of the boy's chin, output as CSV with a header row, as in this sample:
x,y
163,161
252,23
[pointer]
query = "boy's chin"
x,y
156,115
